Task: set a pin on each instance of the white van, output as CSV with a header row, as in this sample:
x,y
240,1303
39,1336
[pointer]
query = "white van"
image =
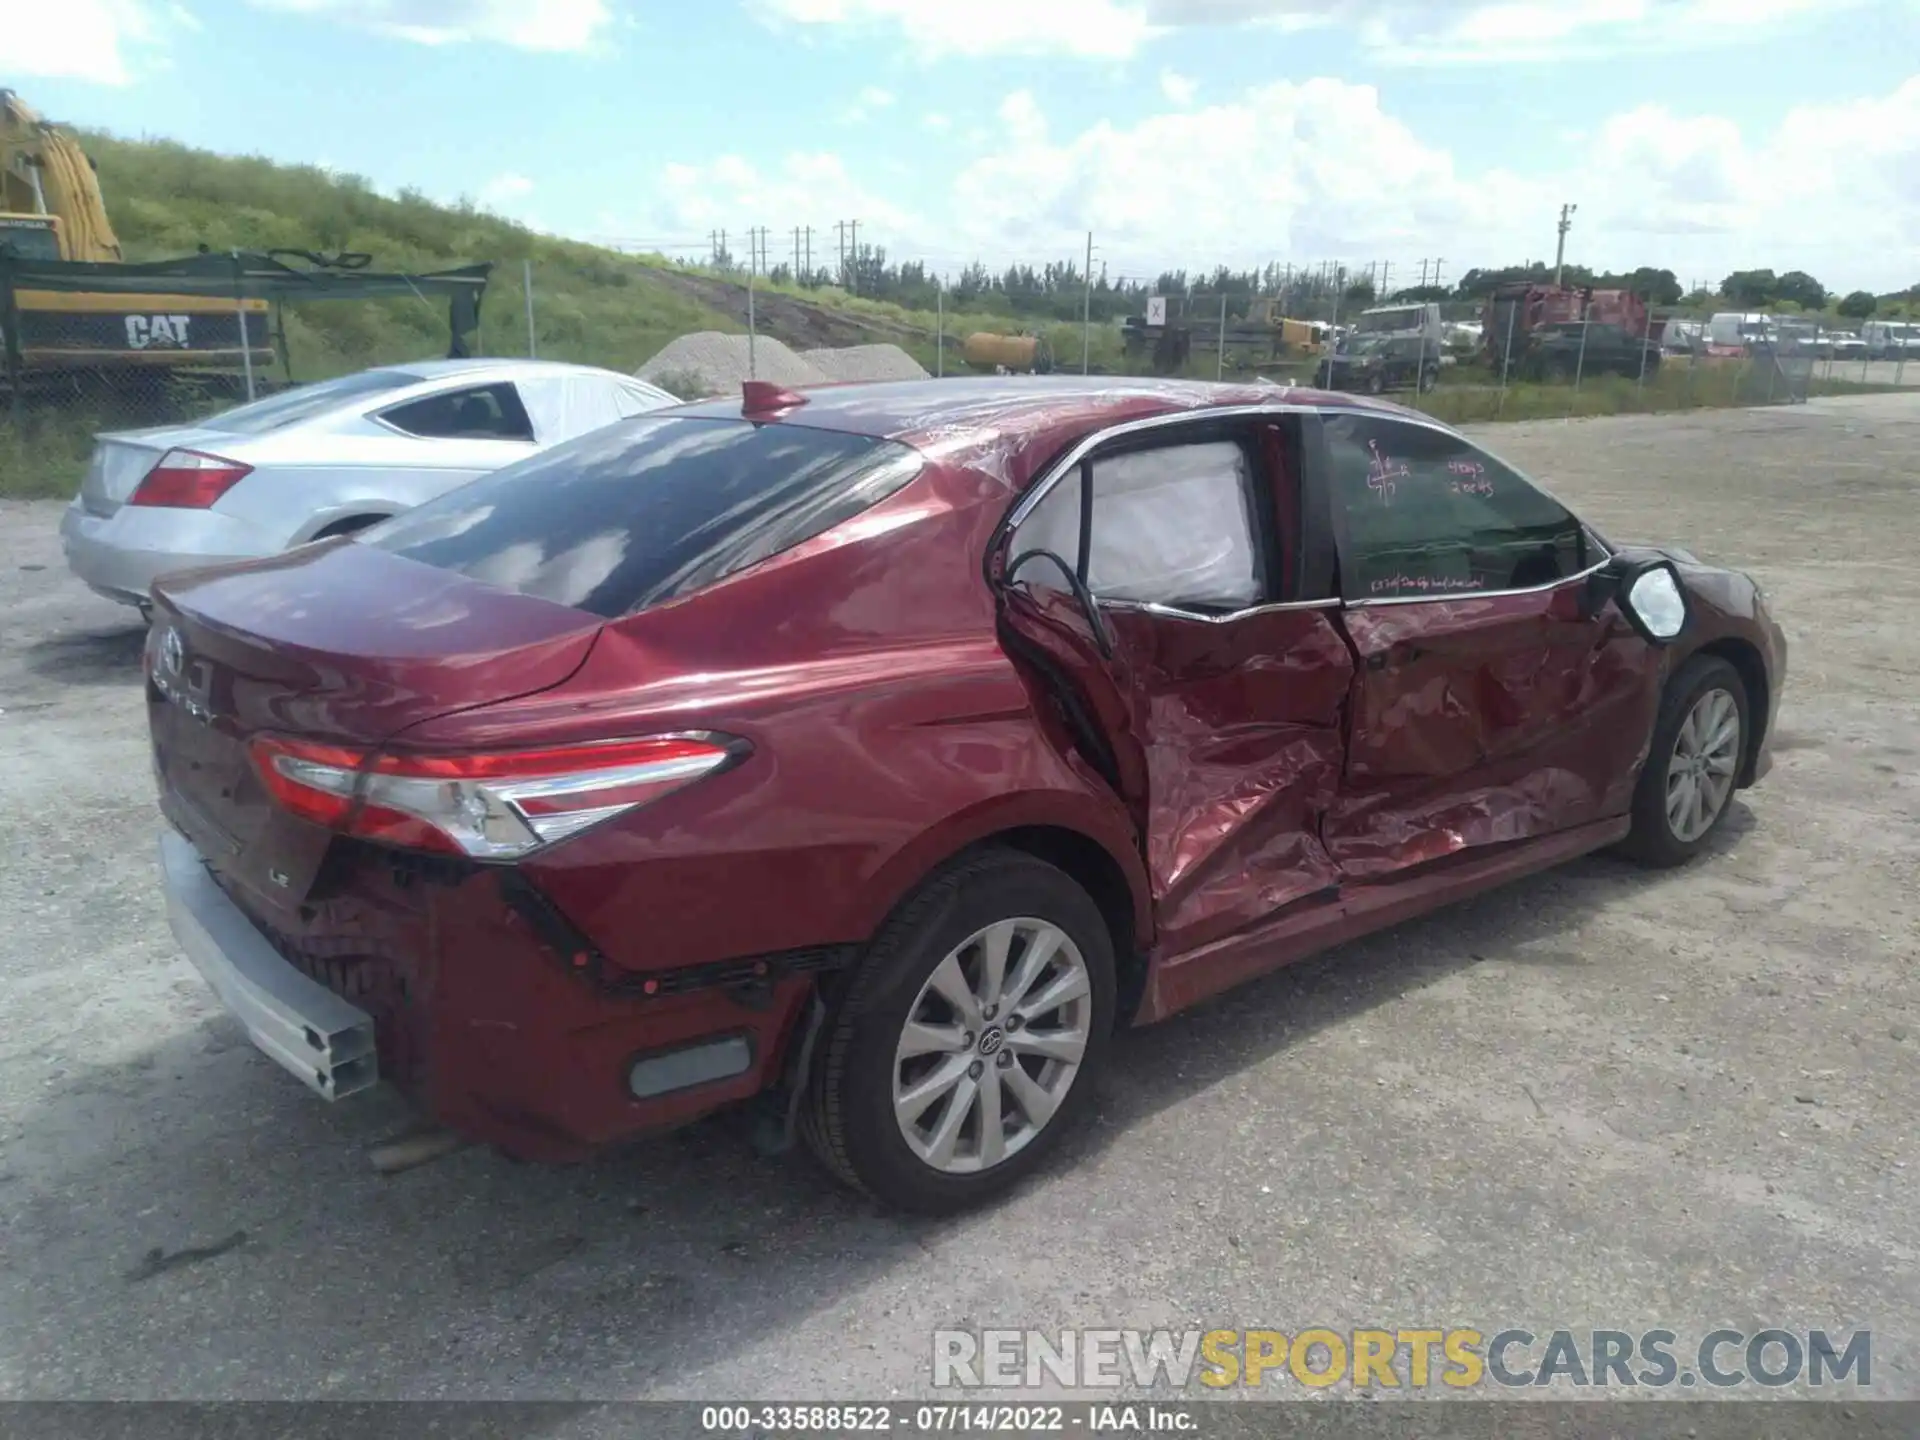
x,y
1891,339
1743,328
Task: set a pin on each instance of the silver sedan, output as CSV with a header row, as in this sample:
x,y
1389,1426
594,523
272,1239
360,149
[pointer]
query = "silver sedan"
x,y
322,460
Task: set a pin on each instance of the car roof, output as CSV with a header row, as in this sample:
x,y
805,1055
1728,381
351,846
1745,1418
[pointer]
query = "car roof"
x,y
502,365
962,419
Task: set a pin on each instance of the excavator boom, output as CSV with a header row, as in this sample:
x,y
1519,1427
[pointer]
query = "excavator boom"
x,y
43,171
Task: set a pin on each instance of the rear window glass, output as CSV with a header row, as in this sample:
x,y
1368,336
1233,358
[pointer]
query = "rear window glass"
x,y
290,407
480,412
648,509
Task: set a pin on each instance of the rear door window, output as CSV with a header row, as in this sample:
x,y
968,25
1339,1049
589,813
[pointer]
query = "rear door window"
x,y
646,511
1172,525
479,412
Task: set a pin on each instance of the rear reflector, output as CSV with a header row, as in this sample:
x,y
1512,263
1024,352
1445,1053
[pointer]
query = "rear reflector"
x,y
693,1065
188,480
497,806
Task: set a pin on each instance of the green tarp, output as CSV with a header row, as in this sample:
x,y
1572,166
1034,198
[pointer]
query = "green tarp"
x,y
277,275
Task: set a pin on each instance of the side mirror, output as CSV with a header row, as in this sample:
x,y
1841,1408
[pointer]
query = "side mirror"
x,y
1650,595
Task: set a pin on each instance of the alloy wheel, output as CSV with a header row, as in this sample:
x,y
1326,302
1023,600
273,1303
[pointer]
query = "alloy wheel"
x,y
1700,775
991,1045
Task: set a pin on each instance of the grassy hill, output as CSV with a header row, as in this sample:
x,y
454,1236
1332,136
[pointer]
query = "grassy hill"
x,y
592,305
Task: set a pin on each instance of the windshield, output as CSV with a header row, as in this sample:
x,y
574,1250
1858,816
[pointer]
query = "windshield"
x,y
29,240
290,407
1366,344
649,509
1407,318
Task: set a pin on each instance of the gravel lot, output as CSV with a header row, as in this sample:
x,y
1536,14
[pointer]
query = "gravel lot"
x,y
1599,1098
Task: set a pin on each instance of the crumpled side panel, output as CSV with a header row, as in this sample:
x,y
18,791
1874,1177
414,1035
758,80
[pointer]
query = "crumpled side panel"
x,y
1480,722
1379,833
1243,758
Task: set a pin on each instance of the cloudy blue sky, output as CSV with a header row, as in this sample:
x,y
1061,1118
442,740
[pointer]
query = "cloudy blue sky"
x,y
1704,135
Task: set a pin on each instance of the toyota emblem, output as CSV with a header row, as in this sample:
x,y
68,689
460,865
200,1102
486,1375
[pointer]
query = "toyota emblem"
x,y
173,653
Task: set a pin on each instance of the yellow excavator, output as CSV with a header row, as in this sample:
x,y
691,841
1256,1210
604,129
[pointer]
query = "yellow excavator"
x,y
51,209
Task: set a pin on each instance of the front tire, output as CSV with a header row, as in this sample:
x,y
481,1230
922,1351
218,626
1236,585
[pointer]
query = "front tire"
x,y
1693,764
970,1039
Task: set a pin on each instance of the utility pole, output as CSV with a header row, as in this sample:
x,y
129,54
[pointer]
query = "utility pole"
x,y
853,253
1436,271
798,274
1386,278
1560,253
1086,314
840,241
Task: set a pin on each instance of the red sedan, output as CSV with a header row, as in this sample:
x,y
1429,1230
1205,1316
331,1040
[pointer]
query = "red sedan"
x,y
877,750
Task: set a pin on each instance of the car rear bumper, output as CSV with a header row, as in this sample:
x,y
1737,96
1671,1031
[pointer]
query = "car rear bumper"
x,y
122,554
325,1042
469,1014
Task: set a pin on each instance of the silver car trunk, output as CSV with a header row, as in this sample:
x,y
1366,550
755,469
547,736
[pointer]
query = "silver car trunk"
x,y
122,458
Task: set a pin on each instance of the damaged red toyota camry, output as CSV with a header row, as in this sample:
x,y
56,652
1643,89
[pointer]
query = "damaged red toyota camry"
x,y
879,750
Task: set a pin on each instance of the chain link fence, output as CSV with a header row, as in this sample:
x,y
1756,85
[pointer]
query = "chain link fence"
x,y
1538,352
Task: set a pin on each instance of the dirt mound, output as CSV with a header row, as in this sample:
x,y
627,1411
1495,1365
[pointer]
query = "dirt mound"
x,y
721,363
865,362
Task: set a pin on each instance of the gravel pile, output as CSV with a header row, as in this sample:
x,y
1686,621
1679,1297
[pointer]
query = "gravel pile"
x,y
720,362
865,362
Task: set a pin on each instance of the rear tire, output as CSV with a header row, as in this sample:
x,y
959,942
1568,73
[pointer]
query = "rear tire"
x,y
1686,788
895,1039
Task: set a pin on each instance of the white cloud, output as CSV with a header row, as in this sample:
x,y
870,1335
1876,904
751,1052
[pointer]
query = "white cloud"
x,y
1106,28
505,188
98,40
1021,117
867,103
1178,88
1321,170
730,192
1397,31
1303,172
936,122
551,25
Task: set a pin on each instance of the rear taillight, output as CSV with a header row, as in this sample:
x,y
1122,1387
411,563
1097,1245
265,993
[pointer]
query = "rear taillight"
x,y
491,807
188,480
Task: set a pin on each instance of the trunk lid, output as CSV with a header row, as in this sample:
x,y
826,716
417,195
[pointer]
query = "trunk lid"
x,y
122,458
337,643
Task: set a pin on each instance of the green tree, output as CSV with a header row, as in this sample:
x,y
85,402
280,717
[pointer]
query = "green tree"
x,y
1751,289
1858,305
1660,287
1802,289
